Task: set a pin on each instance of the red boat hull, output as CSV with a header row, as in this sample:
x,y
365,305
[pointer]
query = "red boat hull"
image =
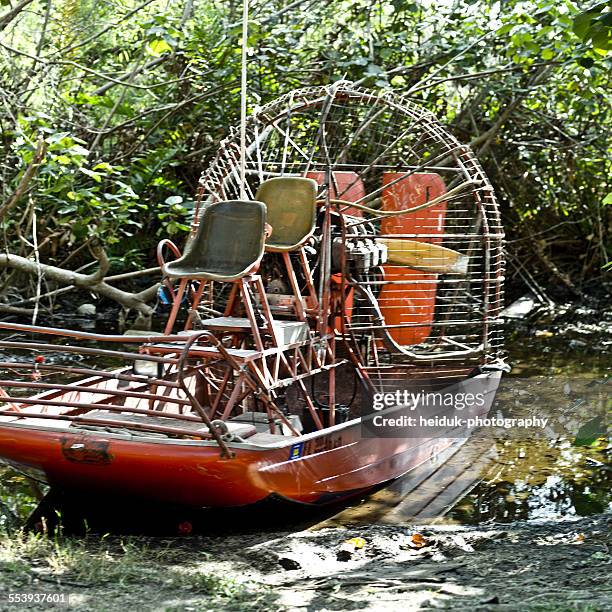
x,y
314,468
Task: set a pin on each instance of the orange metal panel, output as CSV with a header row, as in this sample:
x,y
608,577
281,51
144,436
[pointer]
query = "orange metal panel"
x,y
349,187
412,303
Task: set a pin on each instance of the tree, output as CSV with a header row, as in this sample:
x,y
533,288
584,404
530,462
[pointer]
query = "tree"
x,y
108,116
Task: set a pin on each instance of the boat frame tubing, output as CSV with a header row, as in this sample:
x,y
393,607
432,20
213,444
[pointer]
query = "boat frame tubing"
x,y
190,433
187,342
78,335
225,451
94,390
85,351
112,375
85,406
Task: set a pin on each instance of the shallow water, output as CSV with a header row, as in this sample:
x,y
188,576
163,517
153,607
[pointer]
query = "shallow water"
x,y
550,476
497,475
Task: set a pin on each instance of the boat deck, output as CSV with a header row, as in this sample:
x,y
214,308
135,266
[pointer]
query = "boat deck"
x,y
255,430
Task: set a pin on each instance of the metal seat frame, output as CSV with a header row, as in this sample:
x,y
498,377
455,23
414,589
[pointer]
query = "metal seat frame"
x,y
194,266
297,195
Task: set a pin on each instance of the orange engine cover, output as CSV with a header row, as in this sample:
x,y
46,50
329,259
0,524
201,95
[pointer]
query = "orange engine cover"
x,y
345,186
412,303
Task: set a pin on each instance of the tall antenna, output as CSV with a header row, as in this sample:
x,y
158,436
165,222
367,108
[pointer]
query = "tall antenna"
x,y
243,98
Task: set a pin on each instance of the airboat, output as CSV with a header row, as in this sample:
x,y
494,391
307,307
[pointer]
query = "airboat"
x,y
344,245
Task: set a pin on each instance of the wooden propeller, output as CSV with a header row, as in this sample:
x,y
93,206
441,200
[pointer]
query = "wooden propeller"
x,y
424,256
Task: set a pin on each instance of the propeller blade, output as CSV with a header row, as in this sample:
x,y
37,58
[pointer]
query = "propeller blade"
x,y
424,256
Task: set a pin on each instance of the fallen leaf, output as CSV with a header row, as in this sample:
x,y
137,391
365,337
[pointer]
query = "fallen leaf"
x,y
418,540
356,542
461,543
543,333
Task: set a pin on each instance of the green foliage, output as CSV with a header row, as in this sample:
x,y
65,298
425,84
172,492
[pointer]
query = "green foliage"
x,y
133,104
595,26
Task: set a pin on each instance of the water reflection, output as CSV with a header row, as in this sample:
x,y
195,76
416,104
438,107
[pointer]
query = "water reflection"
x,y
504,475
564,472
543,480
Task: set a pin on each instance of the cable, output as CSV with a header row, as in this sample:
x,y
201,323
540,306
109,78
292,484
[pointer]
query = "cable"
x,y
243,98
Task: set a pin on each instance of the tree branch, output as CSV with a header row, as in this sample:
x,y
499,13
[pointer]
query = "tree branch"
x,y
128,76
478,75
65,50
92,282
28,312
28,175
8,17
47,62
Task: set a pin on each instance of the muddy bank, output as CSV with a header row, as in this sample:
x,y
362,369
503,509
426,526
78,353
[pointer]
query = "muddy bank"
x,y
526,566
564,565
577,326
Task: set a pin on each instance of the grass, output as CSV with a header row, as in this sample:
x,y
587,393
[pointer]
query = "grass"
x,y
166,575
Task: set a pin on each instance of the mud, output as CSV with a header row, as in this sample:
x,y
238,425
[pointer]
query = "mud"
x,y
561,565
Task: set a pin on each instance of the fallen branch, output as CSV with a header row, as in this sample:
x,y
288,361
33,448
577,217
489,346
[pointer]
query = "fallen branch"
x,y
108,279
134,274
28,312
93,282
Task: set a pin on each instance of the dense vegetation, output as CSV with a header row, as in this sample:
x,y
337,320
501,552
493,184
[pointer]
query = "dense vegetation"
x,y
110,110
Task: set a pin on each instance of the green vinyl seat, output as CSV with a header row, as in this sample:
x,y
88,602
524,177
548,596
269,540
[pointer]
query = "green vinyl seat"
x,y
291,207
228,245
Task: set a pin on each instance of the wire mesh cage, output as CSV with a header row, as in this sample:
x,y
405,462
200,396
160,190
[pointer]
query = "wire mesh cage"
x,y
415,239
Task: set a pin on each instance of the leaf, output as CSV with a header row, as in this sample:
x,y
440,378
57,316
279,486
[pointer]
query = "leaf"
x,y
602,39
585,62
104,167
605,19
356,542
57,137
547,54
174,200
607,200
582,24
66,209
158,47
461,542
590,432
505,29
94,175
78,150
418,540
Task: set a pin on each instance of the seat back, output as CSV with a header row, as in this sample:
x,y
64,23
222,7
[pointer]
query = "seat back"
x,y
291,205
228,244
